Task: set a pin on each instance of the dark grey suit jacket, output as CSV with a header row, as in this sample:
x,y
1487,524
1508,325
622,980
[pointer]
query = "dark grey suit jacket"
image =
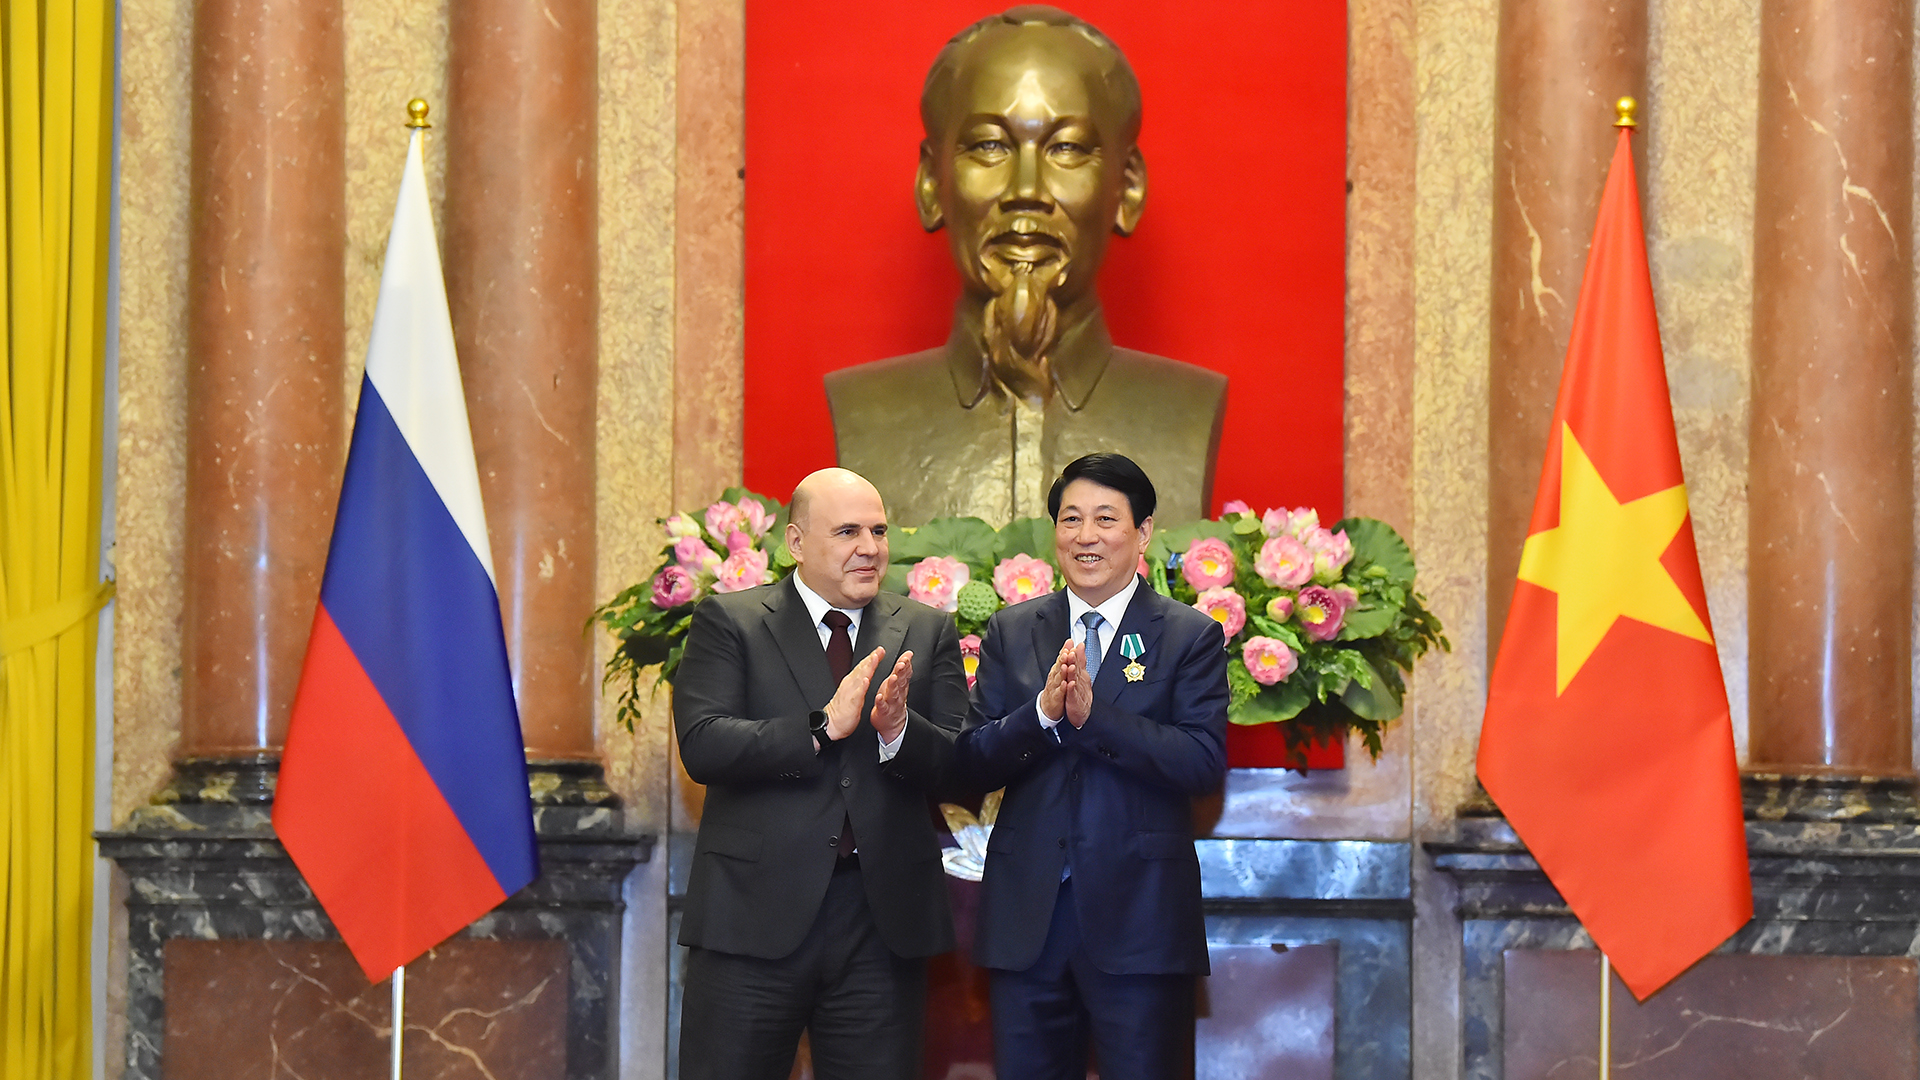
x,y
752,672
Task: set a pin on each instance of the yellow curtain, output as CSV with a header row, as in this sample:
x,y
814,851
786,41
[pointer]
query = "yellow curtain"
x,y
56,66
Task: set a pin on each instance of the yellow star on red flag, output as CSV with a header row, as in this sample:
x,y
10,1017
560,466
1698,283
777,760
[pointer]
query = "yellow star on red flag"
x,y
1603,561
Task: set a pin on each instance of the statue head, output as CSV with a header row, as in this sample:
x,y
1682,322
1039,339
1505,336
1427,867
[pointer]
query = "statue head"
x,y
1030,163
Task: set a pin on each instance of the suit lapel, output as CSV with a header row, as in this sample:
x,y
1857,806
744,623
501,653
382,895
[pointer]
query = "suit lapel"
x,y
1144,617
1049,630
880,629
799,643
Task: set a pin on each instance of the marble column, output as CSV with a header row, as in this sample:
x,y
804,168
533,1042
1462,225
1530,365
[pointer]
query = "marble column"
x,y
265,330
1830,467
521,280
1559,68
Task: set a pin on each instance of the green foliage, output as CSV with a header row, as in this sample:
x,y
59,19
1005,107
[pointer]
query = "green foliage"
x,y
1354,682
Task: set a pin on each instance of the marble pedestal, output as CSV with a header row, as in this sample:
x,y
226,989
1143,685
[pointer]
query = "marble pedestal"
x,y
1824,967
203,865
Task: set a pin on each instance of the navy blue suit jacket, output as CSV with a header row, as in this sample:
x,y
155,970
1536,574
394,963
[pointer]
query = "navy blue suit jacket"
x,y
1114,797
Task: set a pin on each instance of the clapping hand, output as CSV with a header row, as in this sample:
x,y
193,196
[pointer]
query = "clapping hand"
x,y
890,704
843,712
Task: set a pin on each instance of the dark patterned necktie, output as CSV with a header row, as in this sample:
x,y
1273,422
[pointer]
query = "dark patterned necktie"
x,y
840,661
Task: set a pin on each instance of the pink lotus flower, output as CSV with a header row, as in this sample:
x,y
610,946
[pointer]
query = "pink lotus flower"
x,y
1226,607
1284,562
674,586
694,556
1331,553
970,657
1268,659
935,581
1280,608
682,525
738,542
747,515
1235,506
1294,523
1349,596
1208,564
1022,577
1321,611
741,570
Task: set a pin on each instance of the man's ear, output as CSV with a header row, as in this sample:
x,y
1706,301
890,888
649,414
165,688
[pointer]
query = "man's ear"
x,y
1146,533
1133,193
793,542
926,191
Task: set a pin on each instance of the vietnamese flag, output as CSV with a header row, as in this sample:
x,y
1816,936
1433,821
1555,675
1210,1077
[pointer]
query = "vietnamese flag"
x,y
1607,743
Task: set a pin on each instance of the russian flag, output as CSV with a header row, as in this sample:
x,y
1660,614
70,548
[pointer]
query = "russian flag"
x,y
403,789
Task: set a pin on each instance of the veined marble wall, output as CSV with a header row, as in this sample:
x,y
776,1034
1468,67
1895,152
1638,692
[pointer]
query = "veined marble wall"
x,y
1422,109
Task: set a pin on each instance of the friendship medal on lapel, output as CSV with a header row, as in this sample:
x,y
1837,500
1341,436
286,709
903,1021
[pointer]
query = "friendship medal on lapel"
x,y
1131,648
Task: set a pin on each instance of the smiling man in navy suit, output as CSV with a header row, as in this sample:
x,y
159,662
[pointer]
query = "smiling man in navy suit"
x,y
1102,709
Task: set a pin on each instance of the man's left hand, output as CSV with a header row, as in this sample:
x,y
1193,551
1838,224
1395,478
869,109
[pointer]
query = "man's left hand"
x,y
889,714
1079,688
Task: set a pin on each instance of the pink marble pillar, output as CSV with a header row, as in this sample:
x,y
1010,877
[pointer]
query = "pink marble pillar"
x,y
1560,66
1831,461
266,288
521,261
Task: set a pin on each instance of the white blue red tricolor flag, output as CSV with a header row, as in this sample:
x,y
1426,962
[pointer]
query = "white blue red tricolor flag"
x,y
403,790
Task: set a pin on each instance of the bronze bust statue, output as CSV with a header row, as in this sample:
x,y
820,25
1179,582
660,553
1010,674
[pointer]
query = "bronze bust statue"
x,y
1030,163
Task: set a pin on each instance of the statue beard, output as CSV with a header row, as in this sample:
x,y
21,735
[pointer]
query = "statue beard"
x,y
1023,321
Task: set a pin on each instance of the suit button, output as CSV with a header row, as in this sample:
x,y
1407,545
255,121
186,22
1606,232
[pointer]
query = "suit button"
x,y
1025,754
846,781
1063,841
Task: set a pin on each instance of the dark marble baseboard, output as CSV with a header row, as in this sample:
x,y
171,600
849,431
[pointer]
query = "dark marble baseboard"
x,y
203,864
1835,865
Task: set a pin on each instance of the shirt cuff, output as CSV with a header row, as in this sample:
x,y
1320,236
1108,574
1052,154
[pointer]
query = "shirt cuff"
x,y
1048,722
888,749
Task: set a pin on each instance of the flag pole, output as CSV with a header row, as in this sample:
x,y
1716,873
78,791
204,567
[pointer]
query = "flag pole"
x,y
400,1013
1606,1020
1623,112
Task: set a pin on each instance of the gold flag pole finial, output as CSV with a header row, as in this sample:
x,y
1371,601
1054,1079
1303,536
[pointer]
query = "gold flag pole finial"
x,y
417,113
1624,107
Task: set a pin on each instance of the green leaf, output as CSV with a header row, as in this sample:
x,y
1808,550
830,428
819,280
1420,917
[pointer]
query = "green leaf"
x,y
968,539
1025,536
1376,544
1378,702
1369,620
1272,705
896,578
1245,525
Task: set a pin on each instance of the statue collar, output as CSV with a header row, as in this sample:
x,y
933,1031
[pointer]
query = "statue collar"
x,y
1078,360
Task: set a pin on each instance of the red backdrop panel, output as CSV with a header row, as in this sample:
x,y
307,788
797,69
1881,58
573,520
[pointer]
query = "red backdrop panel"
x,y
1238,264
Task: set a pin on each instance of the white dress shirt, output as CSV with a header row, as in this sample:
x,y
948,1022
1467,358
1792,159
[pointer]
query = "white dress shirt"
x,y
818,607
1110,615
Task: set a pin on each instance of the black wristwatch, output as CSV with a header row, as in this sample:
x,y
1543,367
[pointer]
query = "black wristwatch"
x,y
817,723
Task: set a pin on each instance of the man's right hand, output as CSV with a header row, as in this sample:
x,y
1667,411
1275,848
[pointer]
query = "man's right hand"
x,y
1053,696
843,712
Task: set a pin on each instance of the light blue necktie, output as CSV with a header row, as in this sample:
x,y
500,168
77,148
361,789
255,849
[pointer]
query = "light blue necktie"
x,y
1092,620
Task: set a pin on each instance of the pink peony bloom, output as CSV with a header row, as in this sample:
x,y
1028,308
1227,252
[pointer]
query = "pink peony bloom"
x,y
1331,553
1235,506
682,525
1226,607
747,515
1284,562
738,542
694,556
1022,577
1268,660
1208,564
741,570
935,581
674,586
1294,523
1280,608
1321,611
970,657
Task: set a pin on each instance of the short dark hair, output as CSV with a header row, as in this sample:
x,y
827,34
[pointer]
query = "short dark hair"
x,y
1116,471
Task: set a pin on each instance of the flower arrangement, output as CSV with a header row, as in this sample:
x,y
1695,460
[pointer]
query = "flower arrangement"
x,y
1320,623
